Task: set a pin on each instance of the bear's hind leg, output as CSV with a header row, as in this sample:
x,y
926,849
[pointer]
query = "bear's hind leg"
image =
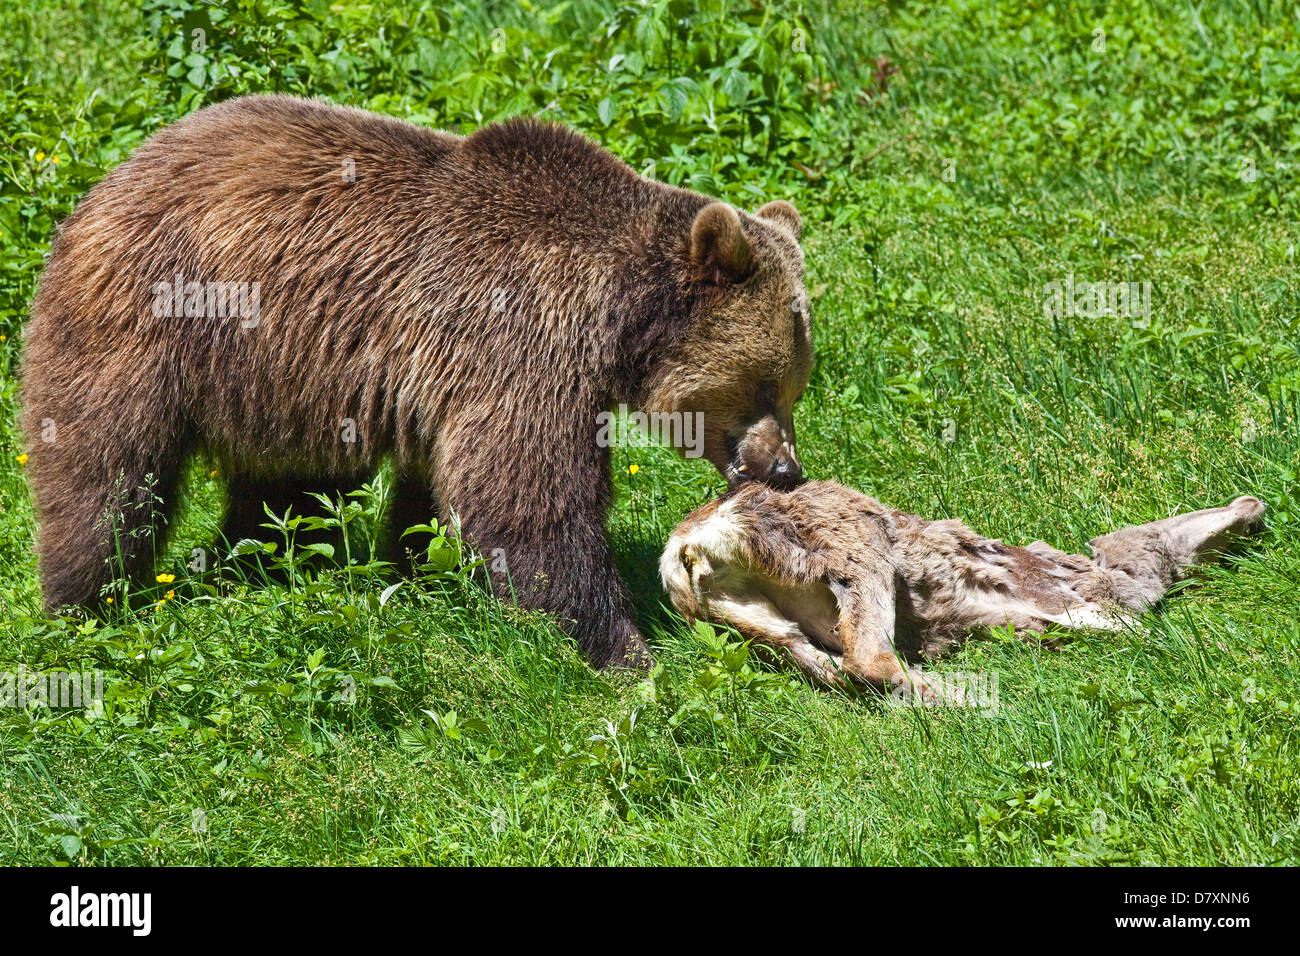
x,y
102,514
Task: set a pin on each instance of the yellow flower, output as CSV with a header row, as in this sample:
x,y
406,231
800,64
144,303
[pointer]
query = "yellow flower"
x,y
21,459
633,469
212,473
171,594
165,578
40,156
54,160
4,338
110,600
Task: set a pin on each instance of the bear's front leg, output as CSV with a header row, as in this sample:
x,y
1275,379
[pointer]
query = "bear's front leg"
x,y
541,532
569,573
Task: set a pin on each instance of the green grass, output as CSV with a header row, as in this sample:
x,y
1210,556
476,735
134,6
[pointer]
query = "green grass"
x,y
320,725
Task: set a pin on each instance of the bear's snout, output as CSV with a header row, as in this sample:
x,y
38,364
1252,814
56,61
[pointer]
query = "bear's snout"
x,y
782,471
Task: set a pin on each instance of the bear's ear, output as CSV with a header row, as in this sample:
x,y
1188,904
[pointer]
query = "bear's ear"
x,y
718,246
778,210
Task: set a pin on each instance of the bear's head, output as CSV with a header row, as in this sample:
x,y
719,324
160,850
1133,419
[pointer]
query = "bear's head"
x,y
746,353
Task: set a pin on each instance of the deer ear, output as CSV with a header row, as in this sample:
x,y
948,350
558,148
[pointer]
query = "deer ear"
x,y
780,211
718,246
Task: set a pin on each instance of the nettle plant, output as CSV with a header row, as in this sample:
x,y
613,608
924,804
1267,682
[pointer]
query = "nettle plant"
x,y
341,639
352,561
714,95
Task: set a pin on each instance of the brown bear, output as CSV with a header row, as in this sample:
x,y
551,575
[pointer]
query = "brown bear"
x,y
302,290
848,588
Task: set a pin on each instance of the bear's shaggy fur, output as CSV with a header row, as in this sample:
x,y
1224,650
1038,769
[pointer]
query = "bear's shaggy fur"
x,y
465,306
849,588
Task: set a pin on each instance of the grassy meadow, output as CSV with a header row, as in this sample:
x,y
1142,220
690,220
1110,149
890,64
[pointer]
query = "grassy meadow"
x,y
952,161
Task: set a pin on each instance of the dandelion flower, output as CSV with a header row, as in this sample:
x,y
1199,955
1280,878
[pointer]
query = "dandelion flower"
x,y
40,156
21,459
633,469
165,578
